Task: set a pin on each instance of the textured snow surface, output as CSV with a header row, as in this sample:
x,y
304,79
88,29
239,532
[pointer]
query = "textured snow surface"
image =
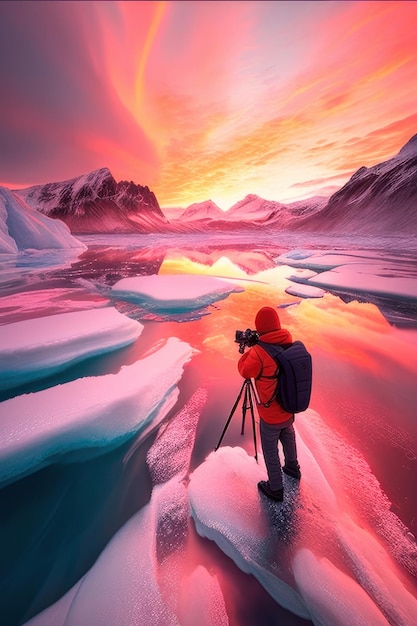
x,y
34,348
311,553
92,413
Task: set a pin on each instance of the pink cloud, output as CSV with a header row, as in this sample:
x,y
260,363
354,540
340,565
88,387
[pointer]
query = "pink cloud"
x,y
206,99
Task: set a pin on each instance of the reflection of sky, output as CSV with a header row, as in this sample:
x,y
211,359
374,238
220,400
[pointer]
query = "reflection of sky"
x,y
364,392
205,100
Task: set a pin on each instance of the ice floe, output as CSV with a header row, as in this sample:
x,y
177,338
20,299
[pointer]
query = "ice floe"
x,y
310,553
142,576
174,292
370,273
305,291
90,414
35,348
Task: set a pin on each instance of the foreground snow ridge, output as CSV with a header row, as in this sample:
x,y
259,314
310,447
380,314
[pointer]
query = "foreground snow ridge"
x,y
294,549
92,414
309,553
36,348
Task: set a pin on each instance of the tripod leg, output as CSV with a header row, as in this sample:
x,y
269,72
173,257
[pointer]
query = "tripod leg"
x,y
251,395
245,406
231,414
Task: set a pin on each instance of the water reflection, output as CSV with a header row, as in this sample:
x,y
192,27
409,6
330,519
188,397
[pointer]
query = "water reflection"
x,y
365,368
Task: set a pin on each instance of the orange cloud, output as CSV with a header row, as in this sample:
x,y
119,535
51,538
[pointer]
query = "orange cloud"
x,y
208,99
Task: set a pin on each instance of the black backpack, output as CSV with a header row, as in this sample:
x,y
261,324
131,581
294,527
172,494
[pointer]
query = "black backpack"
x,y
294,377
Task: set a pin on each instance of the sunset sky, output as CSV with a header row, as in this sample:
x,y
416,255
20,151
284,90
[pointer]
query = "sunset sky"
x,y
205,100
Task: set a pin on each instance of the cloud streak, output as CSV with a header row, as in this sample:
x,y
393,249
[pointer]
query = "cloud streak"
x,y
205,99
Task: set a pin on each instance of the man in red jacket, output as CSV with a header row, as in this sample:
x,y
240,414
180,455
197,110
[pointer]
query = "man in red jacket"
x,y
275,423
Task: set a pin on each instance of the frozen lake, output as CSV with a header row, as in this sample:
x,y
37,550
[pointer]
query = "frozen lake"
x,y
80,514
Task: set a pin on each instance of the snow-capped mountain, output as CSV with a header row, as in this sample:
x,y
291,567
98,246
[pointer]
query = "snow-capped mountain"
x,y
377,200
251,212
207,210
255,209
95,203
22,228
258,212
381,199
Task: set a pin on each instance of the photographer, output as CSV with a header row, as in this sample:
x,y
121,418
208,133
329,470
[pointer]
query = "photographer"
x,y
275,423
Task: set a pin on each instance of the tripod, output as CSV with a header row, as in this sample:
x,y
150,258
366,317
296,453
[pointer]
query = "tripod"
x,y
250,393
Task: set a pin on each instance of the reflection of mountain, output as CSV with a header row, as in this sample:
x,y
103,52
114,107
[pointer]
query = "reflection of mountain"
x,y
95,203
106,264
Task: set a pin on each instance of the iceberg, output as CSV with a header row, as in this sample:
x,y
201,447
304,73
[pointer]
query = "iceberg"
x,y
89,415
24,228
36,348
174,292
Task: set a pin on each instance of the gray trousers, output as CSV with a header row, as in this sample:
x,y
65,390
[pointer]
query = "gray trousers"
x,y
270,435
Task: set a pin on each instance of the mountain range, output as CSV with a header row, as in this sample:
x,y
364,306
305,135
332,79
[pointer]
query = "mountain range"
x,y
95,202
380,199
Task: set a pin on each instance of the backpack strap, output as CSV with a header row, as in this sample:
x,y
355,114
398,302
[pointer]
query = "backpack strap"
x,y
272,350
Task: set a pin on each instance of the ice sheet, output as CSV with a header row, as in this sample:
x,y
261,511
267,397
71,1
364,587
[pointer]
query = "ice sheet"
x,y
318,543
142,576
372,273
35,348
174,292
90,414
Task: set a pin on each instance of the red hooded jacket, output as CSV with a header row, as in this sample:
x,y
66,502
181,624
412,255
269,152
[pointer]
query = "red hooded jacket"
x,y
257,364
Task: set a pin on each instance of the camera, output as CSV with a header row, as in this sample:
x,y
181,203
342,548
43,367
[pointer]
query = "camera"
x,y
246,338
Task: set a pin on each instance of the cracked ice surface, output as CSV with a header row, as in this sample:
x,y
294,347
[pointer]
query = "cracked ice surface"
x,y
307,551
143,576
94,413
385,275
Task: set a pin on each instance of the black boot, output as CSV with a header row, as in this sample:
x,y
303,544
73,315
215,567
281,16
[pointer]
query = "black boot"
x,y
293,471
277,494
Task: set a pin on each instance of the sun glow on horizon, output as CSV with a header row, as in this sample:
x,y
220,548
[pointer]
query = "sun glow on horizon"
x,y
207,100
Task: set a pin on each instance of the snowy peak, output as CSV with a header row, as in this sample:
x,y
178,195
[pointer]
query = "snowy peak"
x,y
253,208
252,212
97,183
95,202
380,199
202,211
409,150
